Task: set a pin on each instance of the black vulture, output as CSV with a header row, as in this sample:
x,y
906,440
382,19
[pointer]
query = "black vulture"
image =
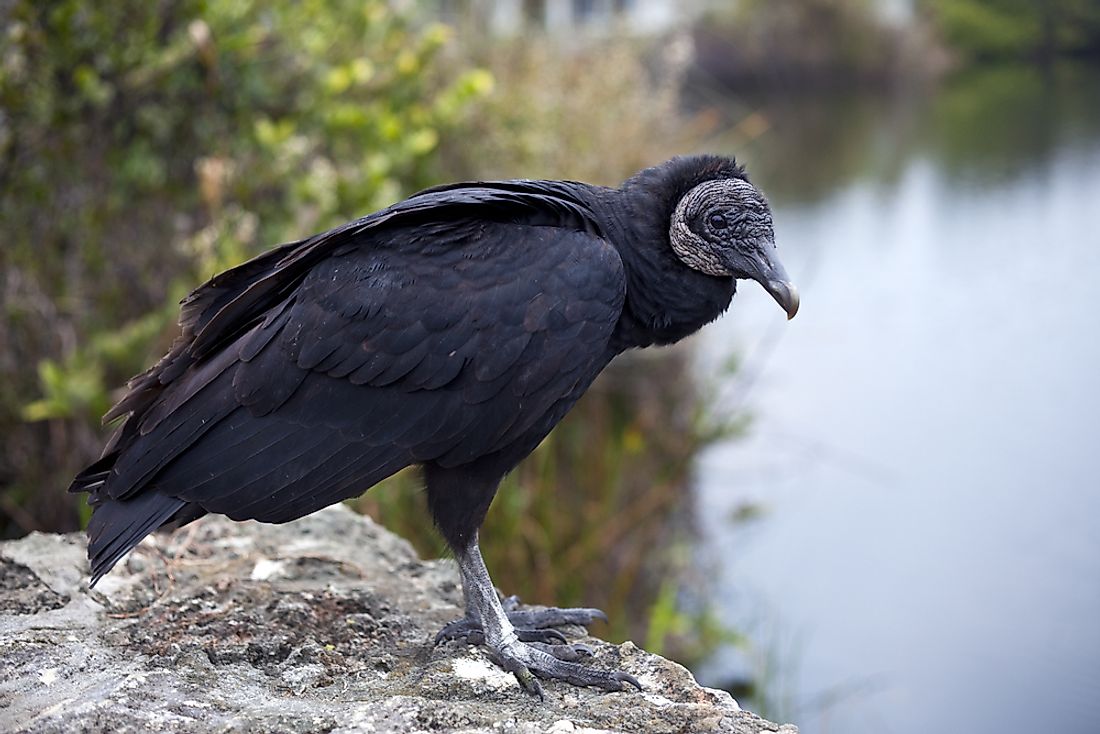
x,y
452,331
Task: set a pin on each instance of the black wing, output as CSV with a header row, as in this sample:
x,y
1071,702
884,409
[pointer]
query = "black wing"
x,y
416,341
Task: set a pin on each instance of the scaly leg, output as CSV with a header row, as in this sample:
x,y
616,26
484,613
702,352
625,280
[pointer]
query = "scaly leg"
x,y
529,656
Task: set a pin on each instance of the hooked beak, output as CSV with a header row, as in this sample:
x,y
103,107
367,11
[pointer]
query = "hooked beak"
x,y
766,270
785,294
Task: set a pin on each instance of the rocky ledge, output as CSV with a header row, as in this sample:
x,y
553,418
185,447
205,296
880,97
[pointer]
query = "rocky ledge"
x,y
321,625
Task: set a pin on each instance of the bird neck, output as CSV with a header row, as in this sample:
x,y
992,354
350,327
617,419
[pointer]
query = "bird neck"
x,y
665,299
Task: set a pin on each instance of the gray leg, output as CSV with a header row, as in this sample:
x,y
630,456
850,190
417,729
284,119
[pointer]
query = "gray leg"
x,y
531,658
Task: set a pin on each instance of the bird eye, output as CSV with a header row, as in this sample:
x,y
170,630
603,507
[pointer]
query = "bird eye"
x,y
717,221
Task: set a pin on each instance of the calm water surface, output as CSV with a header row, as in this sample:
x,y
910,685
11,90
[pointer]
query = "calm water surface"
x,y
926,434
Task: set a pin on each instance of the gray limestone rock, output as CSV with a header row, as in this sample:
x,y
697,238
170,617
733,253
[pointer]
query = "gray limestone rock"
x,y
321,625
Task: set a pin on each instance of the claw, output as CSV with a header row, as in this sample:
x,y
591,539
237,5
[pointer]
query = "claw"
x,y
442,636
583,650
542,635
460,629
626,678
527,680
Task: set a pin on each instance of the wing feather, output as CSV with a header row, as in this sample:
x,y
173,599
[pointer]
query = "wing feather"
x,y
459,323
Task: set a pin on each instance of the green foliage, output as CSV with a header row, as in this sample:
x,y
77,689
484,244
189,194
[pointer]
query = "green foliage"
x,y
75,387
990,30
146,146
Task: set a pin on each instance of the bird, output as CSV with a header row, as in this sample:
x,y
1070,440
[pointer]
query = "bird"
x,y
450,331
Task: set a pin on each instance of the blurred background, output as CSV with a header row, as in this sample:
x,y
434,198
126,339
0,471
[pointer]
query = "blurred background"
x,y
883,516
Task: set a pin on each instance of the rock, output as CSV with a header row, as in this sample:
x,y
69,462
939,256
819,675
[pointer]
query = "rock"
x,y
321,625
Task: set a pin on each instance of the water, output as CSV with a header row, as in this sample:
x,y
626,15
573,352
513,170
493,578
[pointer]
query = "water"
x,y
926,434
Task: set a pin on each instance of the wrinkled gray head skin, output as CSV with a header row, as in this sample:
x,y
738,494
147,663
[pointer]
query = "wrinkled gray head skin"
x,y
724,228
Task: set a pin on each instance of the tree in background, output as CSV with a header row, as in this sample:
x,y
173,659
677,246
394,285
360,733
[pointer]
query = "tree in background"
x,y
991,30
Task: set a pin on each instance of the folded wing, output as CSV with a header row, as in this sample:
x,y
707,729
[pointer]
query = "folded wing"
x,y
304,379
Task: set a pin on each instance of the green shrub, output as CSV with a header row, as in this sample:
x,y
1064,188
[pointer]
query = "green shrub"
x,y
146,146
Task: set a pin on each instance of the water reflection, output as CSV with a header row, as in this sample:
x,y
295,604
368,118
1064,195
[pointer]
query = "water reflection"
x,y
926,429
985,126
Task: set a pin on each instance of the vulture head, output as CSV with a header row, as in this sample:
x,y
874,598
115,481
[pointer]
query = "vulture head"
x,y
723,227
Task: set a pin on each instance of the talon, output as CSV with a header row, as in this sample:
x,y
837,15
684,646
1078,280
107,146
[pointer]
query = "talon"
x,y
535,688
584,650
626,678
541,635
444,635
526,679
459,629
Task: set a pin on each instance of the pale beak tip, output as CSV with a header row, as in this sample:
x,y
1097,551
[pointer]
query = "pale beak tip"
x,y
786,295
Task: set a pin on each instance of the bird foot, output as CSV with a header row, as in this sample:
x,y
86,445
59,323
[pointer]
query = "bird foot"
x,y
539,650
530,661
471,632
532,625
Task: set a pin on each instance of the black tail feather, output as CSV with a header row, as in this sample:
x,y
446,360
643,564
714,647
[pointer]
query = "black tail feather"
x,y
116,527
94,476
